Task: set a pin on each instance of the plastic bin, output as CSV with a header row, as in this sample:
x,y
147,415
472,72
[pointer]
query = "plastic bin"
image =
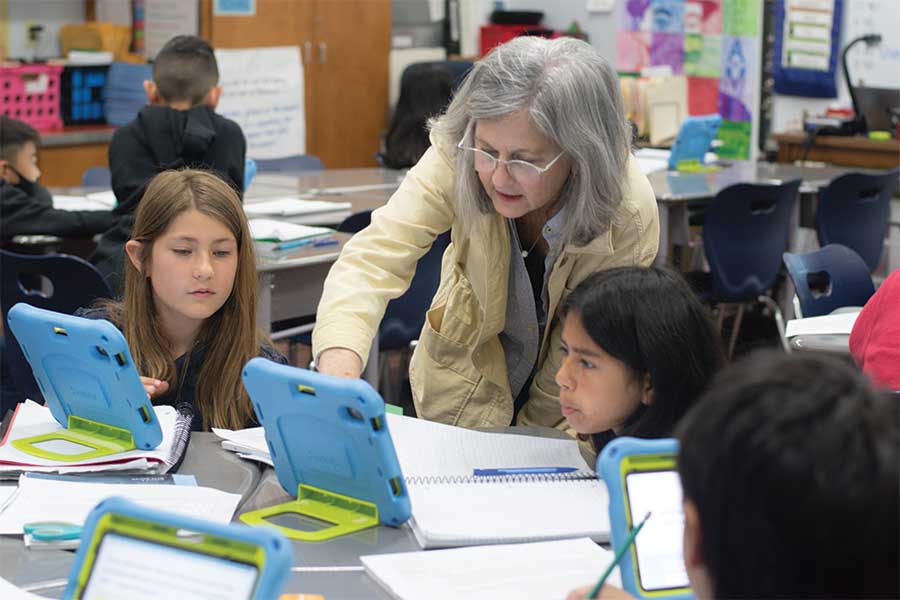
x,y
31,93
83,94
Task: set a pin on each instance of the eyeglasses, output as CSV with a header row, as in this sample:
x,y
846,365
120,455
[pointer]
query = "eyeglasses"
x,y
524,172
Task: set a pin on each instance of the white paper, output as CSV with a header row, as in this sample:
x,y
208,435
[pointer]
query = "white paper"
x,y
164,19
262,89
269,229
62,202
841,323
8,591
32,419
523,571
293,206
107,198
69,501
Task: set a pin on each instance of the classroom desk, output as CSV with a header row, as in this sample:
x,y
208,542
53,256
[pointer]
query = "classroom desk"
x,y
675,191
205,459
333,568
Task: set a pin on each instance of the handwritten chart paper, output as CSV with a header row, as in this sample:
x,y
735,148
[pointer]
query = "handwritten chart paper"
x,y
262,90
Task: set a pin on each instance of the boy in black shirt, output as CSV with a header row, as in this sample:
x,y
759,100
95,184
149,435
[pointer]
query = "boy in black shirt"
x,y
26,207
178,129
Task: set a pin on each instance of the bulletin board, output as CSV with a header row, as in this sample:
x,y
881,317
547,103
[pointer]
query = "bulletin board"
x,y
715,44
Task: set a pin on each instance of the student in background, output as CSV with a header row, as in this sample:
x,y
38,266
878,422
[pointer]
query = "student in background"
x,y
189,310
638,350
178,129
875,338
26,206
425,91
791,477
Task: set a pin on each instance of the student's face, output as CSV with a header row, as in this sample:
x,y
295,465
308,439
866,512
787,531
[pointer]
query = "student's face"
x,y
596,391
25,164
515,137
192,268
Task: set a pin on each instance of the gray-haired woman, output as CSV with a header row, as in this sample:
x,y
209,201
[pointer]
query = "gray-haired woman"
x,y
530,168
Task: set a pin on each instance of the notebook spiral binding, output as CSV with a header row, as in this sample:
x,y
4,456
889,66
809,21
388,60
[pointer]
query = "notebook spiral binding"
x,y
182,436
518,478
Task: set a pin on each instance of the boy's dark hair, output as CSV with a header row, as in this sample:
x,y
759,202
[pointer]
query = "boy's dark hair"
x,y
792,462
185,69
425,92
649,319
14,134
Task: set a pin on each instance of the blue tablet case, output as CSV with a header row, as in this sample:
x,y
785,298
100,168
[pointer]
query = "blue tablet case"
x,y
618,458
330,434
693,140
266,549
88,379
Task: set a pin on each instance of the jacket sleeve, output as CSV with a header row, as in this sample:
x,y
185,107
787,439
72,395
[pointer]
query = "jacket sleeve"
x,y
30,215
237,155
131,166
635,243
378,263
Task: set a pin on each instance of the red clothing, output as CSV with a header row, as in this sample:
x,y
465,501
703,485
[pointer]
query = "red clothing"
x,y
875,339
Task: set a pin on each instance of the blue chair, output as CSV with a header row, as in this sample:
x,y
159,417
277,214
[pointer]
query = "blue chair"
x,y
744,235
356,222
96,177
289,164
57,282
854,211
829,278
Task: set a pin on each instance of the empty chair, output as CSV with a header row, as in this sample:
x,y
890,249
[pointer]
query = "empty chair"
x,y
854,211
96,177
829,278
744,235
57,282
289,164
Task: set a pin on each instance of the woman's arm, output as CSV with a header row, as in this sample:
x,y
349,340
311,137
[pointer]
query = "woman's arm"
x,y
378,263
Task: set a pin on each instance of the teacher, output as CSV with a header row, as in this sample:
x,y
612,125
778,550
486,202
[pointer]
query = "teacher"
x,y
530,169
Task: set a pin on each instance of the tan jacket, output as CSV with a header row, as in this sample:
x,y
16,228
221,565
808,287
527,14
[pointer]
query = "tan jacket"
x,y
458,370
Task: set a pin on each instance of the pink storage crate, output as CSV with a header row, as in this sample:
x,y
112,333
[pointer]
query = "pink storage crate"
x,y
30,93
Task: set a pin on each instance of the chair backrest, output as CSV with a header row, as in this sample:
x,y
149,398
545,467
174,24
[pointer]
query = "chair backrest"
x,y
356,222
854,211
96,177
405,316
289,164
745,232
57,282
829,278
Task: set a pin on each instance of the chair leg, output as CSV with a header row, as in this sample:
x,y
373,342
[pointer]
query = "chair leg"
x,y
779,320
735,330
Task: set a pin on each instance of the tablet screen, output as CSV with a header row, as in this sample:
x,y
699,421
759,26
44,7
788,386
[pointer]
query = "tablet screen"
x,y
660,565
127,567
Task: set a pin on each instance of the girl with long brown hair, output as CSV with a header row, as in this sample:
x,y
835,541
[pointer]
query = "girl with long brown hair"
x,y
189,307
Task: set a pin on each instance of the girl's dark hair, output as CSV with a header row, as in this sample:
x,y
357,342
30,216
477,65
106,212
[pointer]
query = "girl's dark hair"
x,y
425,91
650,320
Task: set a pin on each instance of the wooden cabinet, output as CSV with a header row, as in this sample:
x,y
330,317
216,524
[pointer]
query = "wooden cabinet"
x,y
344,45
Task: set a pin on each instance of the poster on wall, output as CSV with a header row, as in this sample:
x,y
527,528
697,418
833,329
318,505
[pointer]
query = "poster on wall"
x,y
262,90
714,43
807,35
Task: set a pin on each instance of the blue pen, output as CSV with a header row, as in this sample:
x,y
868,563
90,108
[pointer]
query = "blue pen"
x,y
306,242
325,242
523,471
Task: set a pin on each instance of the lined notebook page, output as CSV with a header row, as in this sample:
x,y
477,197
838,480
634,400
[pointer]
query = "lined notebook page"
x,y
425,448
523,571
449,515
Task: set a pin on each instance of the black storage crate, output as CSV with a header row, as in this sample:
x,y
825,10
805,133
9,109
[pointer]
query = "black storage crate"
x,y
82,94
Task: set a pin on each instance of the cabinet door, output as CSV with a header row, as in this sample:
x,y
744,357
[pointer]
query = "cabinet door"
x,y
276,23
350,81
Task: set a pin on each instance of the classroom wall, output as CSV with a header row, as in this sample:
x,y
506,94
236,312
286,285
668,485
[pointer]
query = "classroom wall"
x,y
52,14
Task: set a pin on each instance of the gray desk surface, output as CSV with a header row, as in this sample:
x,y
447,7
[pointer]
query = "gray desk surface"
x,y
205,459
832,343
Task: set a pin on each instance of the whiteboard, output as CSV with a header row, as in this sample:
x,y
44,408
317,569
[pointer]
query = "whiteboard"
x,y
878,66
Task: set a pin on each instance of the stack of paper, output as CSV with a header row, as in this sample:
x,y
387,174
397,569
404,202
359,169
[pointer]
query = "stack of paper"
x,y
296,210
94,201
248,443
522,571
272,237
41,499
31,419
837,324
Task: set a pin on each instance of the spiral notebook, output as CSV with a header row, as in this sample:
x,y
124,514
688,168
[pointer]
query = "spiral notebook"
x,y
452,507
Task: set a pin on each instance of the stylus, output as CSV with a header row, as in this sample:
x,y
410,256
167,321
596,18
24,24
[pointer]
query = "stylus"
x,y
619,554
